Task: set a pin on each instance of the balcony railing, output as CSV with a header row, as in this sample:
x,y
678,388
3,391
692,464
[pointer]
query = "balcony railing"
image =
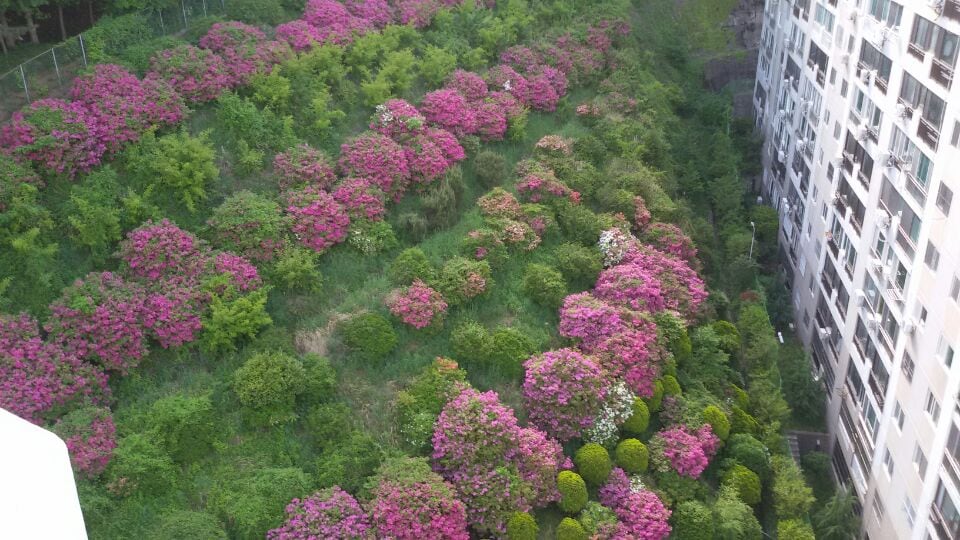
x,y
951,9
878,391
928,133
916,52
905,242
916,189
952,468
945,530
941,72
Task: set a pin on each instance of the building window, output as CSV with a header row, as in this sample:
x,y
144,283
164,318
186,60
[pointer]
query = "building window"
x,y
909,511
887,12
843,89
949,525
932,257
874,59
944,198
888,462
898,416
955,289
920,461
918,96
824,18
923,317
932,406
877,507
945,352
955,138
907,366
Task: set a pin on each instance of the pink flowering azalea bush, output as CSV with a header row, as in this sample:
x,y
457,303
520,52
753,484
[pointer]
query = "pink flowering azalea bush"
x,y
683,290
411,502
397,119
377,157
330,514
299,34
59,137
242,274
163,252
684,450
244,49
632,286
542,186
417,305
301,166
361,198
196,74
495,466
584,316
563,392
641,513
335,22
632,354
317,219
500,203
641,215
425,159
172,317
504,78
99,318
468,84
449,110
90,436
417,13
448,144
378,13
669,239
40,380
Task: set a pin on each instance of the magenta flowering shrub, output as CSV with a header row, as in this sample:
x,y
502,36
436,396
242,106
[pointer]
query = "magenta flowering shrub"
x,y
449,110
425,159
330,514
641,215
162,251
125,105
415,504
196,74
521,58
500,203
244,49
495,466
317,220
631,286
542,186
684,450
98,318
615,490
397,119
90,436
299,34
361,198
301,166
60,137
504,78
669,239
555,77
448,144
563,391
590,319
417,305
683,290
634,355
379,13
542,93
243,275
335,22
640,512
39,380
417,13
377,157
468,84
172,317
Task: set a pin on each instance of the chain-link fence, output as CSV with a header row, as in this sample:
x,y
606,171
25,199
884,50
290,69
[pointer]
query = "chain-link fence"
x,y
50,73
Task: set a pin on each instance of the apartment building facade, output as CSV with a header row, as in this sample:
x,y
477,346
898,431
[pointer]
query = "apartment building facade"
x,y
861,126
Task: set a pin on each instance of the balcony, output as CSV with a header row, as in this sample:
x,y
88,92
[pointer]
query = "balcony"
x,y
941,72
916,52
946,530
915,188
906,243
878,391
951,10
928,133
952,467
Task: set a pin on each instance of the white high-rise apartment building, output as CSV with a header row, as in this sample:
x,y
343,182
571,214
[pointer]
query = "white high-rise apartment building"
x,y
861,125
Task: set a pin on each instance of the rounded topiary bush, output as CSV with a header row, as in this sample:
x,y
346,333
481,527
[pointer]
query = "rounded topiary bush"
x,y
544,285
470,342
750,452
268,384
745,482
522,526
671,387
490,168
632,456
656,400
639,419
593,462
573,491
718,420
692,520
578,263
369,336
508,349
411,264
570,529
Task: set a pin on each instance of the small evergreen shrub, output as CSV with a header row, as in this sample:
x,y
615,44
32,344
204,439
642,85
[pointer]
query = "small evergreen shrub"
x,y
369,336
411,264
544,285
593,463
745,482
490,168
573,491
570,529
632,456
268,384
470,342
670,386
508,349
692,520
639,419
522,526
718,421
579,264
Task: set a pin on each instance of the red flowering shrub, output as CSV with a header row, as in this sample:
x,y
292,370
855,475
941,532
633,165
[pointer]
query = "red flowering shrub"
x,y
318,220
417,305
196,74
411,502
491,119
60,137
449,110
301,166
425,159
448,144
335,22
542,93
100,318
163,252
37,379
543,185
563,391
684,450
360,198
331,514
495,466
90,436
377,157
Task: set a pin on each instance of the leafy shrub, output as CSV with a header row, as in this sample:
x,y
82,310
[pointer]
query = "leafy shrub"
x,y
522,526
113,34
632,456
178,163
573,492
670,386
734,518
90,436
794,529
742,422
252,502
579,264
320,379
268,384
745,482
639,419
508,349
578,222
470,342
233,316
570,529
94,214
421,402
751,453
256,11
692,520
718,421
594,516
656,399
816,469
187,525
462,279
544,285
372,237
296,269
675,488
792,498
140,465
248,224
490,168
593,463
302,166
263,130
350,463
729,336
184,425
369,336
436,63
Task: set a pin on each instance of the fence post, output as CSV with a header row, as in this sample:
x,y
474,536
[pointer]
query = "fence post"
x,y
204,2
183,8
163,30
23,77
53,52
83,50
